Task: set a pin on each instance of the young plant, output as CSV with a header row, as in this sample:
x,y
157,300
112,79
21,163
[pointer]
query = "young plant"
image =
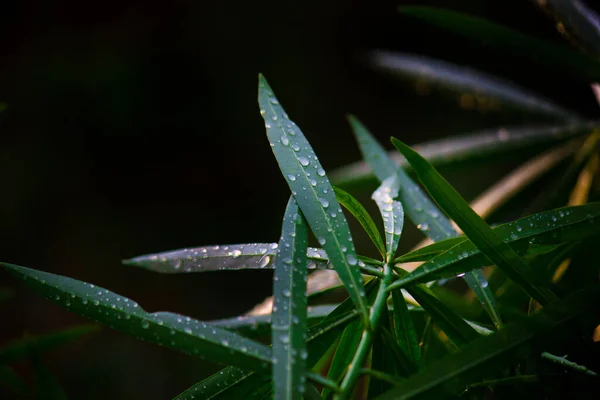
x,y
400,333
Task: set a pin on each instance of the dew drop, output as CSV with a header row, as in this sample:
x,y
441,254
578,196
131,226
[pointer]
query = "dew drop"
x,y
351,259
236,253
292,177
285,141
324,202
322,241
145,324
303,161
321,172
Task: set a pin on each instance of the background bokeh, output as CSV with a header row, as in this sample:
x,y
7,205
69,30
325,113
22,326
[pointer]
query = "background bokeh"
x,y
132,127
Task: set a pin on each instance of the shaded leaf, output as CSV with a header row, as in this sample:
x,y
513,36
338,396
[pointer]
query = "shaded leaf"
x,y
230,383
490,354
313,193
486,91
567,60
362,216
288,329
11,381
406,335
166,329
474,227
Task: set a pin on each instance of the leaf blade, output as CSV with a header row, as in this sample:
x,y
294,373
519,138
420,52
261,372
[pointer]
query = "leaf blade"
x,y
474,226
289,306
167,329
296,160
392,214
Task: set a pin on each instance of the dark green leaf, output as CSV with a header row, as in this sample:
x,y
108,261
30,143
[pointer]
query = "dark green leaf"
x,y
490,354
167,329
362,216
231,383
313,193
382,359
47,386
344,353
572,62
288,329
478,145
406,335
489,92
420,209
11,381
533,232
474,227
36,344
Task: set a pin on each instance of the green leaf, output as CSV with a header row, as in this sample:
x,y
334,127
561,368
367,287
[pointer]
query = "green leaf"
x,y
47,386
491,354
6,293
488,92
166,329
533,232
391,212
579,21
382,359
344,353
220,258
230,383
479,145
313,193
11,381
406,335
567,60
459,332
289,306
420,209
22,348
259,325
474,227
362,216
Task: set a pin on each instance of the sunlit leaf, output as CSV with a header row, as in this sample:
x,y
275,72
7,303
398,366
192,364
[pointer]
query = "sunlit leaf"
x,y
567,60
478,89
166,329
313,193
362,216
493,353
392,213
474,227
288,328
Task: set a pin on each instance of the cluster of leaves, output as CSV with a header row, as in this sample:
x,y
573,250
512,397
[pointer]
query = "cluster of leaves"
x,y
399,333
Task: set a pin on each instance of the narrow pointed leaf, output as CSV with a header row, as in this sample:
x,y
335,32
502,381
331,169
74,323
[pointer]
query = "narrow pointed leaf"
x,y
21,348
488,91
313,193
382,359
288,329
474,227
459,332
406,335
344,353
167,329
219,258
46,384
420,209
579,20
491,354
362,216
477,145
570,61
547,227
230,383
11,381
392,213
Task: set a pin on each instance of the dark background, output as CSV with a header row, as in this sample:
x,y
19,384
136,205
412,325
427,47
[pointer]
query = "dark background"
x,y
132,127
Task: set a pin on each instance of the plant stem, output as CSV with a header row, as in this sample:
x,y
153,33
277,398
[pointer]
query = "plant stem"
x,y
568,364
366,340
323,381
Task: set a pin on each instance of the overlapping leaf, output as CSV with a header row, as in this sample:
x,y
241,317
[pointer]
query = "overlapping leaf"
x,y
392,213
475,227
167,329
477,145
486,91
420,209
313,193
491,354
288,328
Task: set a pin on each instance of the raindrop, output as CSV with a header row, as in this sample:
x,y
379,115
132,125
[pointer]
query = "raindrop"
x,y
324,203
292,177
322,241
188,331
285,141
313,182
519,229
303,161
351,259
321,172
295,147
273,100
145,324
264,262
423,227
236,253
